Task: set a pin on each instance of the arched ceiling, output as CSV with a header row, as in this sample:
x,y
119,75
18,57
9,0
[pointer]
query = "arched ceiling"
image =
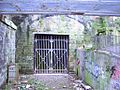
x,y
80,7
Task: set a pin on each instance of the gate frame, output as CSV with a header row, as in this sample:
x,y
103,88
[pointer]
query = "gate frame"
x,y
50,33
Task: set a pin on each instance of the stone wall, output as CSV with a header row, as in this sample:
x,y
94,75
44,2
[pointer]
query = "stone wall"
x,y
24,47
7,49
100,68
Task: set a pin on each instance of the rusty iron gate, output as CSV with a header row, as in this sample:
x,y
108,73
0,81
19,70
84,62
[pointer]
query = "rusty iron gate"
x,y
51,53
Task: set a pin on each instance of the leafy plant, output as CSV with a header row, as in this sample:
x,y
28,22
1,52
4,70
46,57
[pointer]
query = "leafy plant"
x,y
37,84
100,25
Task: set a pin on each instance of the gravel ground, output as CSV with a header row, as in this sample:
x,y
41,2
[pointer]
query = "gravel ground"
x,y
57,82
46,82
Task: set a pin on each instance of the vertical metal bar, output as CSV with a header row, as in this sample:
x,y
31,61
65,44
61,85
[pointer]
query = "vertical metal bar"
x,y
57,46
58,53
47,55
53,52
49,52
40,58
54,55
57,43
41,69
55,61
34,54
63,52
66,61
62,43
61,55
41,50
39,54
66,47
43,53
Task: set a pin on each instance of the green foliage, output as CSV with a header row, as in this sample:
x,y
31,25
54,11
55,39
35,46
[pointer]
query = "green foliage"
x,y
41,22
62,18
37,84
117,24
100,25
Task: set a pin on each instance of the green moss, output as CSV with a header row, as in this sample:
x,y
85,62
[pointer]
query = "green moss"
x,y
88,79
27,34
62,18
41,22
78,70
37,84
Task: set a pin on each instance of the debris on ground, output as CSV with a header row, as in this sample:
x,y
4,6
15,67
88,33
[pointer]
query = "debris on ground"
x,y
44,82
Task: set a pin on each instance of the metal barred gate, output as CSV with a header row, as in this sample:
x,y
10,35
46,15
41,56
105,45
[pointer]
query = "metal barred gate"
x,y
51,53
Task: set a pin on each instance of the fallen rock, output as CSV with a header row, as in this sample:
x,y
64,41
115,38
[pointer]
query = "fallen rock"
x,y
53,87
24,82
87,87
27,86
46,88
64,86
78,81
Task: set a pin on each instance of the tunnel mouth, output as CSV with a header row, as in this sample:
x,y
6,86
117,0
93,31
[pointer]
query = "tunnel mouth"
x,y
51,53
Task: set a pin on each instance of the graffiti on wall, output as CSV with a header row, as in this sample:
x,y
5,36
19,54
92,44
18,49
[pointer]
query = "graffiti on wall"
x,y
115,77
94,69
115,73
115,85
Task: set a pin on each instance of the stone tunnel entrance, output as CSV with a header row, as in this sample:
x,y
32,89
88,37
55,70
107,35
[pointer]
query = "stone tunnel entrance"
x,y
51,53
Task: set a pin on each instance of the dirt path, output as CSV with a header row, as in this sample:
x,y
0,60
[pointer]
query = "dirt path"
x,y
45,82
57,82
